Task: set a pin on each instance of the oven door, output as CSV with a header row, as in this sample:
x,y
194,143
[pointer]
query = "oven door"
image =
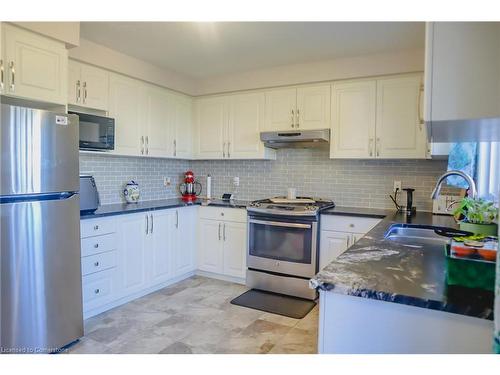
x,y
285,247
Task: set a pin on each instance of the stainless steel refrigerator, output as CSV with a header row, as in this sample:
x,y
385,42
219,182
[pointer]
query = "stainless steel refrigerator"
x,y
41,293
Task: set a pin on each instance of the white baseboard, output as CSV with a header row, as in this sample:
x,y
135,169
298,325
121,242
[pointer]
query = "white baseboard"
x,y
237,280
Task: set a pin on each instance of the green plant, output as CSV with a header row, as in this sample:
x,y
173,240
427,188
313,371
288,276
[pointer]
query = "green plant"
x,y
476,211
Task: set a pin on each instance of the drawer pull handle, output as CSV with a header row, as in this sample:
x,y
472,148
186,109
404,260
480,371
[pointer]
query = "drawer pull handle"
x,y
96,264
96,227
222,214
97,291
351,225
96,245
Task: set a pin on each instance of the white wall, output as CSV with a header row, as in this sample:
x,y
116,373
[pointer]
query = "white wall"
x,y
344,68
99,55
67,32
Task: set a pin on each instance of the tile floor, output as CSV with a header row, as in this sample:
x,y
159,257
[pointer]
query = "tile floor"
x,y
195,316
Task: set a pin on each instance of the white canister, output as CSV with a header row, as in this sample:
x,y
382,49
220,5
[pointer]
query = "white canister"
x,y
131,192
291,193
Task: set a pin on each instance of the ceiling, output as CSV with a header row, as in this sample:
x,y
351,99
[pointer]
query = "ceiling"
x,y
207,49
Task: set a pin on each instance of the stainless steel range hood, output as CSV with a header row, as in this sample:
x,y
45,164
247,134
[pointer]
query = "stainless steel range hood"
x,y
471,130
296,138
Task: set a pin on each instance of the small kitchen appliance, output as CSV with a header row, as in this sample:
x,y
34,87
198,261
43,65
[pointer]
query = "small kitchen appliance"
x,y
89,196
190,188
96,133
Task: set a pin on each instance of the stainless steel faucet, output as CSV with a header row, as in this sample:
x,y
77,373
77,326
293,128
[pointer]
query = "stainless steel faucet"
x,y
465,176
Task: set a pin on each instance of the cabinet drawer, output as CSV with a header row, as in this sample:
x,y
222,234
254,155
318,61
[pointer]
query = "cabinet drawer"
x,y
351,224
99,262
98,286
225,214
97,227
98,244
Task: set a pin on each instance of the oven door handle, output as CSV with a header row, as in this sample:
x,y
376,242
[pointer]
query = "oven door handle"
x,y
280,224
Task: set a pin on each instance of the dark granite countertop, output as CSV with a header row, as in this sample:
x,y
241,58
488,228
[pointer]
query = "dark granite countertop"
x,y
382,269
126,208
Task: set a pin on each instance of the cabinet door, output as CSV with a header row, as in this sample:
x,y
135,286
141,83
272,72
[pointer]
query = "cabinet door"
x,y
158,129
280,113
160,249
3,63
95,87
211,124
36,66
235,248
124,107
246,115
353,119
332,244
313,107
74,83
182,108
399,131
132,233
185,223
210,249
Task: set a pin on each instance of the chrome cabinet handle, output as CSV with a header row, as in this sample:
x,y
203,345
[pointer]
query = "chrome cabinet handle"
x,y
219,230
152,223
354,239
142,145
96,227
175,147
293,119
1,74
147,145
96,291
298,117
348,241
147,224
96,246
377,146
224,232
176,219
228,147
224,150
84,92
419,108
12,76
78,92
96,264
370,146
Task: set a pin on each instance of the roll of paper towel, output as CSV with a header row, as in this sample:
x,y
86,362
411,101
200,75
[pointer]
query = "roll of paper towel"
x,y
209,187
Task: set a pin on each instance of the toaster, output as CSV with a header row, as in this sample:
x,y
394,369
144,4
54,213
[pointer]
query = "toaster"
x,y
89,196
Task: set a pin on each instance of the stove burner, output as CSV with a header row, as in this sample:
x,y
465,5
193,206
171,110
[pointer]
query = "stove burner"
x,y
292,208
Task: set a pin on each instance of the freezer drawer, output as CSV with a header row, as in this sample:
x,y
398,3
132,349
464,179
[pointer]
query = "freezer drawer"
x,y
41,292
38,151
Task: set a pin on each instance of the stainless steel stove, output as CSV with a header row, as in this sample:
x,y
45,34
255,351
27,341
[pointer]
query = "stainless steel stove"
x,y
283,244
301,206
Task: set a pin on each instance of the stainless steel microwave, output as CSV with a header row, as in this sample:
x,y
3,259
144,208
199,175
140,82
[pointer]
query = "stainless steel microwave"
x,y
96,132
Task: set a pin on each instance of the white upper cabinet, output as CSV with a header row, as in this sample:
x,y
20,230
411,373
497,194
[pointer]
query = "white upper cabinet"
x,y
400,129
353,119
181,109
156,130
88,86
34,66
281,109
246,115
299,108
228,127
379,118
2,62
211,121
125,96
313,107
462,70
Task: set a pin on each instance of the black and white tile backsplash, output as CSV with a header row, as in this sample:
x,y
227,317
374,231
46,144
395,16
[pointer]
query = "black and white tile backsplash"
x,y
361,183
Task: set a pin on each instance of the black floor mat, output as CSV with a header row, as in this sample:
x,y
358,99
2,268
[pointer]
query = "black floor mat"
x,y
280,304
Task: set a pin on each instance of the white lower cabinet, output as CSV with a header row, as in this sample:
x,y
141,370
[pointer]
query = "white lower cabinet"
x,y
223,244
338,233
147,251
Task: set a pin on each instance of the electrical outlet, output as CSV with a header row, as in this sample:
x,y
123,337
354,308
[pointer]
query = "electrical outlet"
x,y
166,181
397,186
236,181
